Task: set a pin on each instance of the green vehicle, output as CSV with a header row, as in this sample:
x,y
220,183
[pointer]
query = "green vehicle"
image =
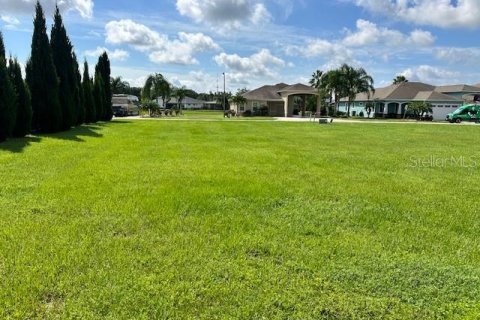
x,y
469,112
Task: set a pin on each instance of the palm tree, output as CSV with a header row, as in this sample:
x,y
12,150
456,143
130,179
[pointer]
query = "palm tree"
x,y
156,86
317,82
333,85
399,79
355,81
239,100
119,86
180,94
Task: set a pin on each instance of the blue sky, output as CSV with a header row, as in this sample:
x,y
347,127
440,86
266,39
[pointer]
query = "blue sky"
x,y
257,42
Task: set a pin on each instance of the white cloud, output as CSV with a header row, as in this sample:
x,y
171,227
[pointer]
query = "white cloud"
x,y
135,34
159,47
441,13
459,55
260,64
117,54
83,7
224,13
433,75
10,20
368,33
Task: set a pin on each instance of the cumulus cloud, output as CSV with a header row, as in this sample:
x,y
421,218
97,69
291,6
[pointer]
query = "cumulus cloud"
x,y
369,33
260,64
430,74
159,47
120,55
83,7
440,13
459,55
225,13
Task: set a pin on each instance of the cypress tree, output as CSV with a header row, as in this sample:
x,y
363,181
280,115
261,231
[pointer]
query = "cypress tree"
x,y
99,97
42,79
62,53
7,97
78,93
103,68
23,119
90,112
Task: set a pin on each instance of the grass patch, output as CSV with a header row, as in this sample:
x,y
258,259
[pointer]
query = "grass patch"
x,y
225,219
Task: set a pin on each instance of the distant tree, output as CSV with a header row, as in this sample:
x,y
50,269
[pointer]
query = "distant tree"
x,y
135,91
78,93
23,119
156,86
319,82
399,79
333,85
239,100
90,111
99,97
103,69
369,108
119,86
42,79
355,81
7,97
62,53
180,94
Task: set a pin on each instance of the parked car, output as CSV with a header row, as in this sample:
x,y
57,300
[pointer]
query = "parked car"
x,y
469,112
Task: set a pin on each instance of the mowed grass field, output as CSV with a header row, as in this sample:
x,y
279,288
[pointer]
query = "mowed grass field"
x,y
241,220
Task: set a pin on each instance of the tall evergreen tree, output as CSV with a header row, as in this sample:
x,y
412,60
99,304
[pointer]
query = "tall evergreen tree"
x,y
90,112
103,68
99,97
62,53
23,119
7,97
42,79
78,93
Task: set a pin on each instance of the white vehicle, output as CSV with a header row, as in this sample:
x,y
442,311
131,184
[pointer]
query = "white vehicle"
x,y
125,105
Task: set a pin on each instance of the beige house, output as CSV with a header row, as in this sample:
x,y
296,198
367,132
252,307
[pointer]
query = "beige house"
x,y
274,100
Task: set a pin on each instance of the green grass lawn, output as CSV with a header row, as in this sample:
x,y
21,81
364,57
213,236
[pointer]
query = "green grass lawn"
x,y
240,220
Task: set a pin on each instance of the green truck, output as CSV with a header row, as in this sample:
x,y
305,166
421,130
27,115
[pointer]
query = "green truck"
x,y
469,112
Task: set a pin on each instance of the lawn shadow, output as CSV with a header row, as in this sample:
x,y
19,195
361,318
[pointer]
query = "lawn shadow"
x,y
17,145
76,134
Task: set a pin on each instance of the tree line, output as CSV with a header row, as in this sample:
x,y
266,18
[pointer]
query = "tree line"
x,y
54,96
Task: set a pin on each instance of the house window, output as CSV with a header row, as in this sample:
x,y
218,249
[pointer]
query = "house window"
x,y
242,108
447,106
440,105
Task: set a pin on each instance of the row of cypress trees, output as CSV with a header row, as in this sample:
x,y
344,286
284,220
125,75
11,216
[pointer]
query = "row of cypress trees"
x,y
53,97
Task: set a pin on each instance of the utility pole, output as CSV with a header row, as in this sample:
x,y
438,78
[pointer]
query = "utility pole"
x,y
224,105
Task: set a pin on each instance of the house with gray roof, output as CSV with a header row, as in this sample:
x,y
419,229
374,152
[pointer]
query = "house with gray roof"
x,y
277,99
392,101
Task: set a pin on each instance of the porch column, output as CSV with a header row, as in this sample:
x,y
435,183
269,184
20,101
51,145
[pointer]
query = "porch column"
x,y
285,105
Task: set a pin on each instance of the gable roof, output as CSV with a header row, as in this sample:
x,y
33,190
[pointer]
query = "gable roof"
x,y
297,87
457,88
434,96
400,91
266,93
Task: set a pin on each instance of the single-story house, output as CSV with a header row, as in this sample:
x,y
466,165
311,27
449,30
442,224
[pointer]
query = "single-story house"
x,y
188,103
392,101
277,99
